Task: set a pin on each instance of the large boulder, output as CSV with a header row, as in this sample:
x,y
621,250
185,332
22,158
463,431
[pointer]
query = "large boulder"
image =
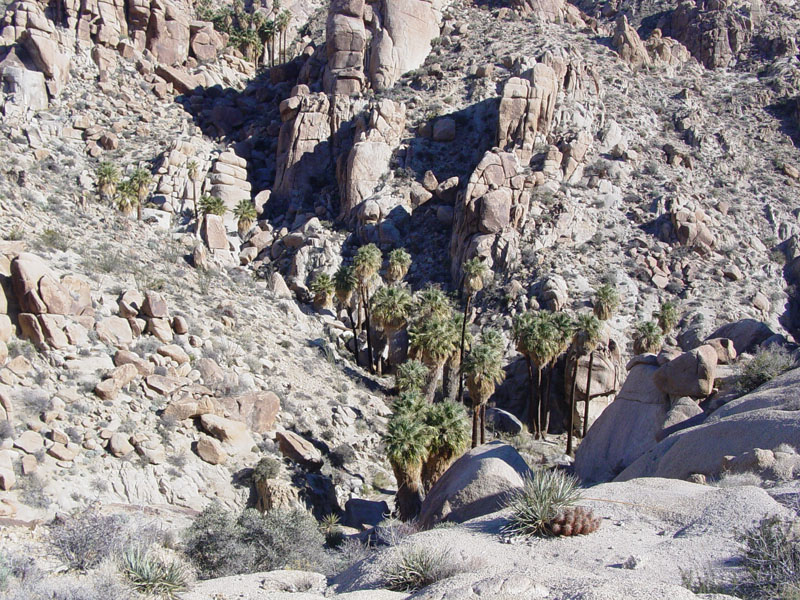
x,y
628,428
746,334
476,484
764,419
257,409
689,374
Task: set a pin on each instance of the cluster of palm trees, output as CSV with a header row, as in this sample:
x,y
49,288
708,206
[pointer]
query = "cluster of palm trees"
x,y
252,31
244,211
126,194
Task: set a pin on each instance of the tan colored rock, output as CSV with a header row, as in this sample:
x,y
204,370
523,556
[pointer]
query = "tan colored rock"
x,y
125,357
210,450
130,304
179,325
299,450
119,446
114,331
629,45
174,352
61,452
160,328
690,374
7,479
213,232
726,351
163,385
188,407
155,306
29,442
257,409
6,328
228,431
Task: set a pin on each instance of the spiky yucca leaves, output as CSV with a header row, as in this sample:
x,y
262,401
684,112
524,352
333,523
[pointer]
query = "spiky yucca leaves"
x,y
150,575
542,499
434,339
606,301
210,205
399,262
411,376
141,180
107,180
432,302
331,528
588,331
406,443
667,316
323,289
449,438
367,263
126,197
484,370
648,338
245,213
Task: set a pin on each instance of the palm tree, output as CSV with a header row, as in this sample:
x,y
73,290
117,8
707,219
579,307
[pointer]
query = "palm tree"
x,y
452,376
391,307
474,270
345,283
584,339
323,289
399,262
141,180
667,317
411,403
535,335
484,370
245,213
126,197
563,328
433,339
648,338
449,438
432,302
411,376
606,301
367,263
107,180
211,205
406,442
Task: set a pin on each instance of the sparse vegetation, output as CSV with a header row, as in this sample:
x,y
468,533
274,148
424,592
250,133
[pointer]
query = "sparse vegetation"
x,y
771,562
84,539
152,575
414,567
765,365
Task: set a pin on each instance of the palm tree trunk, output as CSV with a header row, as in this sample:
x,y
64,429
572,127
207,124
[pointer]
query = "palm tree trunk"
x,y
451,379
433,382
139,208
475,423
547,400
365,300
355,335
532,420
461,351
540,403
408,499
483,423
434,467
572,403
588,394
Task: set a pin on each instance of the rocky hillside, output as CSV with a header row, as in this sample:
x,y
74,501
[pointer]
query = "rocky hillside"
x,y
185,185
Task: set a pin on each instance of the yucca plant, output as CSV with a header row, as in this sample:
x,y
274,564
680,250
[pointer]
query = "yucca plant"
x,y
323,289
211,205
367,263
107,180
345,284
648,338
406,443
411,376
542,498
152,576
141,180
606,301
667,316
245,213
331,528
449,437
399,262
473,272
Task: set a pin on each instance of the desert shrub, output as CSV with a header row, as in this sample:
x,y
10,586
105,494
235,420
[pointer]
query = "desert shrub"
x,y
6,430
348,553
267,468
85,538
342,455
765,365
5,573
100,585
771,562
31,488
738,480
332,530
414,567
220,544
542,498
151,575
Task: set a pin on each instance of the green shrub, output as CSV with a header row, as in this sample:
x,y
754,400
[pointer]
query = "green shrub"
x,y
219,544
150,575
765,365
543,497
267,468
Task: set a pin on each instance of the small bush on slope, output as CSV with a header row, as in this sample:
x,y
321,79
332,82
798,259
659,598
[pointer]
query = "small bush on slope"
x,y
767,364
414,567
771,561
